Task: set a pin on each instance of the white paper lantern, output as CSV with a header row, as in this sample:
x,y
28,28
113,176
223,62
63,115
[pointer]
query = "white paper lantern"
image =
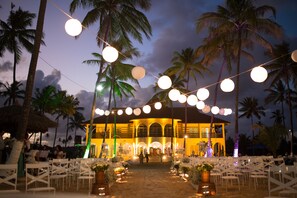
x,y
138,72
106,112
200,105
215,110
73,27
110,54
158,105
259,74
120,112
227,85
192,100
202,94
137,111
173,94
182,98
227,111
206,109
97,110
101,112
164,82
128,111
294,56
146,109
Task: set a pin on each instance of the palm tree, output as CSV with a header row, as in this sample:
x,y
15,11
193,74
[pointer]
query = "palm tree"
x,y
249,109
278,117
43,100
15,34
285,69
117,19
72,106
76,122
21,131
246,24
277,94
12,92
186,65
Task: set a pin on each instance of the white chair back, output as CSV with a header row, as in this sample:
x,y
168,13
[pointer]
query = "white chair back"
x,y
38,178
8,176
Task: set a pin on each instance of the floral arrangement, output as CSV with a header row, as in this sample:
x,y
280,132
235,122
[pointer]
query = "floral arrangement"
x,y
125,164
186,160
119,170
99,166
116,159
205,167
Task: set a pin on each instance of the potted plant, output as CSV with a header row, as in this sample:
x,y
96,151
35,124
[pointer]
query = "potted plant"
x,y
204,170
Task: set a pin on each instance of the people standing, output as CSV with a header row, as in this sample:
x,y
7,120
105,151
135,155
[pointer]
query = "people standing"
x,y
146,156
141,157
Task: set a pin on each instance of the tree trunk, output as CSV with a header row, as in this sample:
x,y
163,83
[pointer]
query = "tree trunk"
x,y
22,127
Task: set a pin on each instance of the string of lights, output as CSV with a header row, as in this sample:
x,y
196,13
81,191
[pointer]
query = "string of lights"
x,y
110,54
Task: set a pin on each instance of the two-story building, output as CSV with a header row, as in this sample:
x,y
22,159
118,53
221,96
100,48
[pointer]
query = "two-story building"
x,y
128,135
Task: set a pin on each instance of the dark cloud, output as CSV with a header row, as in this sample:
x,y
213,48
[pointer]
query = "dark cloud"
x,y
6,66
42,81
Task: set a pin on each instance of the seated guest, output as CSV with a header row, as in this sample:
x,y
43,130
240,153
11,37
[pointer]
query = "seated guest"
x,y
58,153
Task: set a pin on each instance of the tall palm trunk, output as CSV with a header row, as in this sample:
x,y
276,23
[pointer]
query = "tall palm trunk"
x,y
236,132
209,153
186,113
20,136
291,113
253,134
99,77
67,131
56,131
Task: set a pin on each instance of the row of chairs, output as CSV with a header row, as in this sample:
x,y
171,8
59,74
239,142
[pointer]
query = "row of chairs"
x,y
46,176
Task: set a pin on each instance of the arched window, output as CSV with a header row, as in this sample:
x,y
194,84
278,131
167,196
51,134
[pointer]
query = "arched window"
x,y
168,130
155,130
142,130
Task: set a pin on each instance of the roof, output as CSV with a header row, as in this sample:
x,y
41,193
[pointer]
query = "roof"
x,y
10,116
194,116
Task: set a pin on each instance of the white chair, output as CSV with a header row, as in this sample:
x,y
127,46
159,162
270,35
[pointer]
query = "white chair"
x,y
38,178
85,172
281,182
59,171
8,176
229,176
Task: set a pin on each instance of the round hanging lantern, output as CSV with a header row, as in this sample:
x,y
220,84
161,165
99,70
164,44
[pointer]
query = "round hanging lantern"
x,y
200,105
227,85
294,56
101,112
146,109
215,110
73,27
97,110
106,112
164,82
227,111
128,111
222,111
259,74
120,112
110,54
138,72
202,94
182,98
192,100
173,94
206,109
137,111
158,105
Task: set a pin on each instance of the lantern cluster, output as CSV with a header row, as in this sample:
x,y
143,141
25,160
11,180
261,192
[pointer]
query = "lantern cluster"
x,y
129,111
